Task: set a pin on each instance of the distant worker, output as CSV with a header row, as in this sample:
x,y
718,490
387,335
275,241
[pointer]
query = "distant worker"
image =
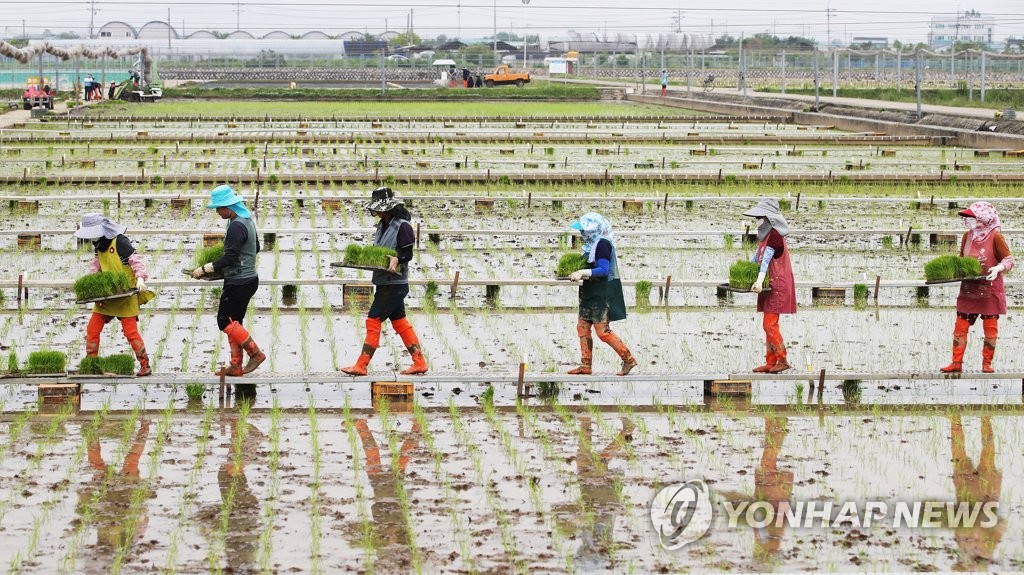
x,y
465,77
984,297
87,85
451,75
664,83
110,91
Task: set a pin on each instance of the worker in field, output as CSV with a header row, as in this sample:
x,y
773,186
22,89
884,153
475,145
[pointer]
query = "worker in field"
x,y
390,287
664,82
984,297
110,91
238,266
115,253
773,256
600,294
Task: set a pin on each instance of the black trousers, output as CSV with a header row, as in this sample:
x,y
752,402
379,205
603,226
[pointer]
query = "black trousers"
x,y
234,300
389,302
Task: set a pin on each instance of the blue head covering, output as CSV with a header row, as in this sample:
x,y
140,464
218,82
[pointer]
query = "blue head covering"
x,y
593,227
224,197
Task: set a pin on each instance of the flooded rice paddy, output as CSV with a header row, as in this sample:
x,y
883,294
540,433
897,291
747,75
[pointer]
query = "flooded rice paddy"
x,y
320,478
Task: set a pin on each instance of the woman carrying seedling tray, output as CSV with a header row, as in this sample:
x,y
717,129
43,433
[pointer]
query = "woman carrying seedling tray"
x,y
984,297
115,253
773,255
601,300
238,266
391,286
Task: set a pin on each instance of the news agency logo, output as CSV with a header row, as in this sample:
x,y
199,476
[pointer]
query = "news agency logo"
x,y
681,513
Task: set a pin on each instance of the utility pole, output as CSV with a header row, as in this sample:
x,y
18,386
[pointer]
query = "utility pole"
x,y
495,32
828,25
92,15
952,49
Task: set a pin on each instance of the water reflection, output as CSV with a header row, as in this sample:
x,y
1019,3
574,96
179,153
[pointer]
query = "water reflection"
x,y
593,516
976,484
239,511
773,486
107,498
390,538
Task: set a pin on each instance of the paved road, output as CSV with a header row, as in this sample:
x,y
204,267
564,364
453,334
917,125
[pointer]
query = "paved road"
x,y
14,116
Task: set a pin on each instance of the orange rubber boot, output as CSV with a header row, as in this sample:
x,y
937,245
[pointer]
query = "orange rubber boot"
x,y
988,351
586,349
412,343
960,329
605,334
235,368
130,327
370,345
93,332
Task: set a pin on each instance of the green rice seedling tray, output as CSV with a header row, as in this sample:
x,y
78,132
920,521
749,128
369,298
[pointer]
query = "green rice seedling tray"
x,y
368,268
109,297
729,288
208,277
953,280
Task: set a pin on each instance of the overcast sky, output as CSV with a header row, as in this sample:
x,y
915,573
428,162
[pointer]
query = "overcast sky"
x,y
906,20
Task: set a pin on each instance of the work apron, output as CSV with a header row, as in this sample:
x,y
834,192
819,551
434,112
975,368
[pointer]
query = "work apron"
x,y
110,261
782,296
981,296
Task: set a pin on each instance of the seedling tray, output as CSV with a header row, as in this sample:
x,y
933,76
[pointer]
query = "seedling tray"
x,y
109,297
954,280
355,267
208,277
727,287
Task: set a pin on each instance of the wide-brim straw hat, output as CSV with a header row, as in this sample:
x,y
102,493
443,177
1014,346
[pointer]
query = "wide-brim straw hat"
x,y
96,226
382,200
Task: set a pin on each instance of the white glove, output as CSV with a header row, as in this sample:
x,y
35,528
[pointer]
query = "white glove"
x,y
580,275
140,284
756,288
202,271
993,272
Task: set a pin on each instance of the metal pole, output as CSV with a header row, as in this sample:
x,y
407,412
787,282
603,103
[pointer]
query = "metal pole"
x,y
817,81
899,70
917,71
835,73
983,53
783,71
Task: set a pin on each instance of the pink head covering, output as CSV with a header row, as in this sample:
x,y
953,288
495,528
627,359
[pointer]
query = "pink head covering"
x,y
986,220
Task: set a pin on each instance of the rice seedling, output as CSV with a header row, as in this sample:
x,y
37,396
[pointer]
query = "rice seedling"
x,y
570,263
368,255
101,284
47,362
743,274
951,267
195,390
643,294
208,254
12,362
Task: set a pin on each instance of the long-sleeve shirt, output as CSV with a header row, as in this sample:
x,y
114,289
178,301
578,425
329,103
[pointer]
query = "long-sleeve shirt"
x,y
774,247
602,259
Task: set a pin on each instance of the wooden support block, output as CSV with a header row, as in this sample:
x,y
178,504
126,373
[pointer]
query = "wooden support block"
x,y
180,203
828,296
492,293
209,151
698,152
59,393
531,165
794,152
520,124
633,206
888,153
506,152
269,239
300,132
407,152
483,206
422,164
1013,154
603,152
30,241
110,151
202,165
538,134
232,125
289,294
19,126
212,239
359,294
330,204
739,387
64,134
26,207
308,151
854,166
86,163
943,240
376,125
87,125
303,125
142,133
643,165
751,166
981,153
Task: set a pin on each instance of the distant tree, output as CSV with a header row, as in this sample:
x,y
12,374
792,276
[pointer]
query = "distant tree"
x,y
406,39
68,36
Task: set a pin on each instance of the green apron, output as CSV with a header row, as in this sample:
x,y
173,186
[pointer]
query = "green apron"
x,y
126,306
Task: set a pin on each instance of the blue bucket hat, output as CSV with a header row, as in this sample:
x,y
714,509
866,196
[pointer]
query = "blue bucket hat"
x,y
224,197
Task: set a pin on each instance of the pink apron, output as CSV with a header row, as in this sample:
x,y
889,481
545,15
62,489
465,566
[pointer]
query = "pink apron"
x,y
782,297
981,296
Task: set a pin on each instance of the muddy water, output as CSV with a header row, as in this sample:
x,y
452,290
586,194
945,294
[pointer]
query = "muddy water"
x,y
565,490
